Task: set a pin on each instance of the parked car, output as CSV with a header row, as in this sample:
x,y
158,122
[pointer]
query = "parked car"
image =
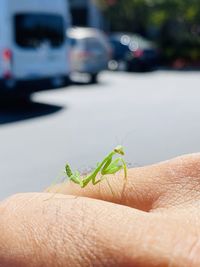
x,y
33,47
90,51
135,51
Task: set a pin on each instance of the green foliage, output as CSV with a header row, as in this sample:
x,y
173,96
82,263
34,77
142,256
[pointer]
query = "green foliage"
x,y
174,24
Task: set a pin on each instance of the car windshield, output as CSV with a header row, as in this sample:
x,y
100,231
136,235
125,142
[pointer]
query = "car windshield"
x,y
33,30
94,44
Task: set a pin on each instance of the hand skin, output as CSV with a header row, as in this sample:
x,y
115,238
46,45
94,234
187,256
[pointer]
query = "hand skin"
x,y
151,220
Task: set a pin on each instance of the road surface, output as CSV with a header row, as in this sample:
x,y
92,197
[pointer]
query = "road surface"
x,y
155,116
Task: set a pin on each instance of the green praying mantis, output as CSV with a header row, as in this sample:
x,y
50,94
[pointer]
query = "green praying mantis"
x,y
106,167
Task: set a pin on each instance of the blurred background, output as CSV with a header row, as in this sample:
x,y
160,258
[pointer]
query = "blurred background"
x,y
79,77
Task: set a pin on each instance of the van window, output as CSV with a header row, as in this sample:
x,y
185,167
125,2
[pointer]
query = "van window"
x,y
73,42
33,30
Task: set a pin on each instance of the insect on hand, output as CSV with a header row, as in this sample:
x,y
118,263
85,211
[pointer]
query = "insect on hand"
x,y
107,166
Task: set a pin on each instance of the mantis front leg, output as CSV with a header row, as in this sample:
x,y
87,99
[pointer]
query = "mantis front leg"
x,y
114,167
106,165
111,167
93,175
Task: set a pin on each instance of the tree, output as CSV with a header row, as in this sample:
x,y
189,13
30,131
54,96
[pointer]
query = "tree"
x,y
174,24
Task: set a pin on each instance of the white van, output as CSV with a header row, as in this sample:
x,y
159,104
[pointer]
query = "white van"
x,y
33,45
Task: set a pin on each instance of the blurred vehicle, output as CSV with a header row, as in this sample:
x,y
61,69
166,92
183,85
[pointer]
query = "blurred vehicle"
x,y
90,51
33,47
136,52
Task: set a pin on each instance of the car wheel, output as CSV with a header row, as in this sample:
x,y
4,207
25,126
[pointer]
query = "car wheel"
x,y
57,82
94,78
129,67
67,81
15,100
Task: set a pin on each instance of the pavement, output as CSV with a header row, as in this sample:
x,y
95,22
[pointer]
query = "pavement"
x,y
155,116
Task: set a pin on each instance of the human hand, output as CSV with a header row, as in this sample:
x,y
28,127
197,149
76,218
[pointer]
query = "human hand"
x,y
151,220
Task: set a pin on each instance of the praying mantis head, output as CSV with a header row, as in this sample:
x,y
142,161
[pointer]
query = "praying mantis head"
x,y
119,150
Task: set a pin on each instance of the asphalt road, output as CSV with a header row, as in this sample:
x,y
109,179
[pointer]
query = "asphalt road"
x,y
155,116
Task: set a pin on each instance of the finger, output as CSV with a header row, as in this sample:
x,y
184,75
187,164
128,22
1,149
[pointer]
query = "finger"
x,y
67,231
164,184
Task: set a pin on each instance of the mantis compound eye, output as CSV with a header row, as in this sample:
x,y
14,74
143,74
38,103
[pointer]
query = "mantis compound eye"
x,y
119,150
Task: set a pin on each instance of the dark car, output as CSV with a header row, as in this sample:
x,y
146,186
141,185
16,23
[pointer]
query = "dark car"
x,y
136,52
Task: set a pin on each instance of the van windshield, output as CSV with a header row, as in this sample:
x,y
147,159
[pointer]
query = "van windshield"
x,y
34,30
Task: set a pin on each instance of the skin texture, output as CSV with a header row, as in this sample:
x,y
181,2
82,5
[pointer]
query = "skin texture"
x,y
152,220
